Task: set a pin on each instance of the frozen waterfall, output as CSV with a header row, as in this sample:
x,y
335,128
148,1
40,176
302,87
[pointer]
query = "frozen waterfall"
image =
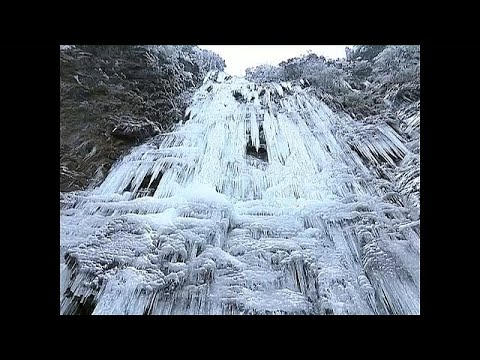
x,y
261,203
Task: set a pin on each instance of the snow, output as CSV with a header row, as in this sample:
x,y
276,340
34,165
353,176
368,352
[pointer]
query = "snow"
x,y
189,223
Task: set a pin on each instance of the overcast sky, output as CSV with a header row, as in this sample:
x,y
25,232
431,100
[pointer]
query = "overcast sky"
x,y
240,57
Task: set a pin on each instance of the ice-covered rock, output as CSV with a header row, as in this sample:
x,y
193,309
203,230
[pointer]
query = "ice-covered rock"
x,y
261,203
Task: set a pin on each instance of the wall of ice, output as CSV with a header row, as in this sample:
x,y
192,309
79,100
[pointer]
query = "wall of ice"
x,y
263,202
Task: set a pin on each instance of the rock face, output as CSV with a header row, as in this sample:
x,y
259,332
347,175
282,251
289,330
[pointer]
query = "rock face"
x,y
114,97
135,128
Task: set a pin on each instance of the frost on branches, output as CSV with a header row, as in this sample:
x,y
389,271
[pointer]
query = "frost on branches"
x,y
264,202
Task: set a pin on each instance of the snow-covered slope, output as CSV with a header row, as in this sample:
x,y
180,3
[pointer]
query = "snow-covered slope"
x,y
261,203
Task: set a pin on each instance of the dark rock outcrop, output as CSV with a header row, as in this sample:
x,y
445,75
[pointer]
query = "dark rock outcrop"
x,y
114,97
134,128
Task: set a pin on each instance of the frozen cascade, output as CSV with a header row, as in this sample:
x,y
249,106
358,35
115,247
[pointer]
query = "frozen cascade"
x,y
261,203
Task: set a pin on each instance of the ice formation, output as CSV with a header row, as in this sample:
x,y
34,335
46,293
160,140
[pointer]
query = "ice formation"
x,y
261,203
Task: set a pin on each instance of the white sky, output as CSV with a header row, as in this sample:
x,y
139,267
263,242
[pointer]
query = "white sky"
x,y
240,57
